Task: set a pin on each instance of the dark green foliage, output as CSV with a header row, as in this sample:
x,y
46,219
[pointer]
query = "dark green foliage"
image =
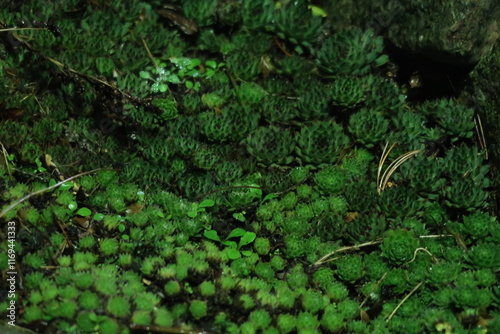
x,y
244,66
320,142
399,246
203,13
311,105
368,127
455,119
246,124
277,109
361,196
350,268
351,52
399,202
383,95
366,227
347,91
478,224
296,23
484,255
270,145
293,66
464,194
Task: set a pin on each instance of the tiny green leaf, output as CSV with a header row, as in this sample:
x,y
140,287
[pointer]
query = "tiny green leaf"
x,y
212,235
145,75
85,212
246,252
230,244
233,254
98,216
162,88
207,203
237,232
240,216
192,214
72,206
247,238
269,197
66,186
211,64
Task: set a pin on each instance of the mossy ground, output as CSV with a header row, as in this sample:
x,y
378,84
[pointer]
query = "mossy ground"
x,y
235,145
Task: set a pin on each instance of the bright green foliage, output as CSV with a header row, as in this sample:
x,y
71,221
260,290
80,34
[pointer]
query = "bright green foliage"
x,y
198,309
247,301
337,291
332,320
312,301
260,319
484,255
286,323
320,142
262,246
296,278
351,52
331,180
399,246
250,93
108,246
368,126
294,244
118,306
306,322
207,289
350,268
177,132
478,224
270,145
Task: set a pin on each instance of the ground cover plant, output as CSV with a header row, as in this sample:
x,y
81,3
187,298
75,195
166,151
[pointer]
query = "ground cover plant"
x,y
233,167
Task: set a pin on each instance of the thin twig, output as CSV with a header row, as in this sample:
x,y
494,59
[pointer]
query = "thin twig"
x,y
10,207
480,135
150,55
393,166
373,290
403,300
342,249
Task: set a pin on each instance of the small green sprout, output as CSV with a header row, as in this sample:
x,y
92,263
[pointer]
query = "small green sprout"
x,y
240,216
233,249
197,208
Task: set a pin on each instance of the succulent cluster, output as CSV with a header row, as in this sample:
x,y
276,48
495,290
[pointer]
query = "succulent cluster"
x,y
232,171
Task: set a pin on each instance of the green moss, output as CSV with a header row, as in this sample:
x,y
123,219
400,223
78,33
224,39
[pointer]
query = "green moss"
x,y
89,300
118,306
198,309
